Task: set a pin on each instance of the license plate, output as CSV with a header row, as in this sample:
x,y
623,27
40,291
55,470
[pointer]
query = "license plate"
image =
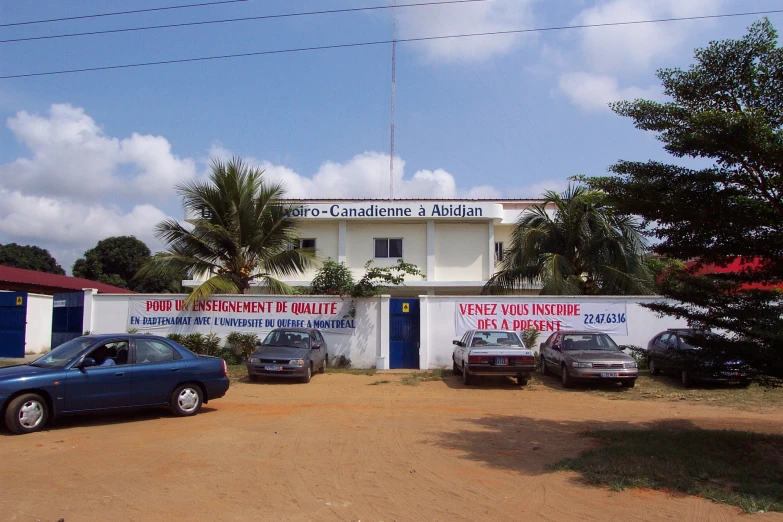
x,y
273,368
608,374
501,361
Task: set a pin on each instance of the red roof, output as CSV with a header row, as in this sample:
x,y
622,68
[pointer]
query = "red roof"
x,y
19,279
737,265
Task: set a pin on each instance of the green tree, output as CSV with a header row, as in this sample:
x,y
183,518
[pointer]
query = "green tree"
x,y
116,260
726,111
29,257
332,278
586,247
241,232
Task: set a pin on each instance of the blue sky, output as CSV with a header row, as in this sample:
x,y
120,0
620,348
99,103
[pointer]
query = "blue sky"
x,y
89,155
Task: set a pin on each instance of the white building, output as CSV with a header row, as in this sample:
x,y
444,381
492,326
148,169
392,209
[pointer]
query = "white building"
x,y
456,243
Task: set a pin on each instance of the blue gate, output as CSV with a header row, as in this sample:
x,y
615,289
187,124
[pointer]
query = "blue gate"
x,y
67,317
403,333
13,323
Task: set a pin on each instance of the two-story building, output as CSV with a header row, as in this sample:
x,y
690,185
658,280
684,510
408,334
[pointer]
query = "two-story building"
x,y
456,243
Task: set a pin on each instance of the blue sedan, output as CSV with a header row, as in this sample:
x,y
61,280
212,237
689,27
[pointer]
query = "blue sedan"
x,y
103,372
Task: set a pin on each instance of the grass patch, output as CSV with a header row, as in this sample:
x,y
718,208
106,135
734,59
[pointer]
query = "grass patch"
x,y
416,378
668,388
738,468
353,371
376,383
236,372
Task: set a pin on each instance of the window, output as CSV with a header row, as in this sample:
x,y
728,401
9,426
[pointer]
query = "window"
x,y
498,251
388,248
150,351
304,243
114,353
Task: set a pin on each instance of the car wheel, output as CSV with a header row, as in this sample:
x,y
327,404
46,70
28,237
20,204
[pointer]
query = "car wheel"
x,y
308,374
26,414
454,368
686,379
544,370
466,378
629,384
568,382
322,369
522,379
186,400
654,370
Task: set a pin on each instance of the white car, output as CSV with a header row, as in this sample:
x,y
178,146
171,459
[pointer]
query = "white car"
x,y
492,353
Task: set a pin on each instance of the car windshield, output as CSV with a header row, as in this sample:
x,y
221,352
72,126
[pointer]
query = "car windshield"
x,y
685,344
292,338
64,353
489,338
588,341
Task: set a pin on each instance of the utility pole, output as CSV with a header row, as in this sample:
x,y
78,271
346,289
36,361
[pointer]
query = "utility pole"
x,y
393,93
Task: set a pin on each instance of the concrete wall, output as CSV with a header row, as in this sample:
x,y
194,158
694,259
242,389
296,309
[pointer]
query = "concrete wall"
x,y
326,236
438,324
369,344
38,332
361,245
109,314
461,251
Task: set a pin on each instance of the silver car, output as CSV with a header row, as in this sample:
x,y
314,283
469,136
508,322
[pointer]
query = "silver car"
x,y
587,356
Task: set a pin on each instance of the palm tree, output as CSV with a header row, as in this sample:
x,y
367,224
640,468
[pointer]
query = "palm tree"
x,y
585,248
241,233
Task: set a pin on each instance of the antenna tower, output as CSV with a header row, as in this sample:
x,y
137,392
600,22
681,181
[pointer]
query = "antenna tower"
x,y
393,89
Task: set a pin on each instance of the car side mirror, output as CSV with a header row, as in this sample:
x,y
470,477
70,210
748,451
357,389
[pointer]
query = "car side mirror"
x,y
87,362
623,347
316,346
258,343
556,347
455,342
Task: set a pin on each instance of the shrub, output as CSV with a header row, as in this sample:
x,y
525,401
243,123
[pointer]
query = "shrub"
x,y
177,338
229,356
638,353
243,345
194,342
530,337
340,361
211,344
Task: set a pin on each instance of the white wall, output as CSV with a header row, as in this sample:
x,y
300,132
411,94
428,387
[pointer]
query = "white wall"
x,y
360,247
461,251
438,323
325,235
110,315
38,332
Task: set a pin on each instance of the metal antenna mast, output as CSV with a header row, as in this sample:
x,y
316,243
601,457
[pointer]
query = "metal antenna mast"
x,y
393,89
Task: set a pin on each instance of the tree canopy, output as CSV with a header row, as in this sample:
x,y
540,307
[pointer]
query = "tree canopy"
x,y
240,232
116,260
581,246
29,257
725,111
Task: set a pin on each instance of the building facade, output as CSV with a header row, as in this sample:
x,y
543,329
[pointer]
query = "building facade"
x,y
457,243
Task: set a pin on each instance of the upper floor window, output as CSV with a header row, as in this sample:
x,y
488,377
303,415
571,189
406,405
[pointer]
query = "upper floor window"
x,y
498,251
304,243
388,247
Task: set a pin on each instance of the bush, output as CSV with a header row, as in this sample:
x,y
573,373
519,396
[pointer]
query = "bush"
x,y
211,344
177,338
243,345
639,354
340,361
229,356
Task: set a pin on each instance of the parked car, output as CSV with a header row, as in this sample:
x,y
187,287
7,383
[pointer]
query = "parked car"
x,y
289,352
671,352
492,353
587,356
102,372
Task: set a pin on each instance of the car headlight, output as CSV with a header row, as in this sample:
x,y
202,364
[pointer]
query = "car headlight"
x,y
254,360
629,364
296,362
579,364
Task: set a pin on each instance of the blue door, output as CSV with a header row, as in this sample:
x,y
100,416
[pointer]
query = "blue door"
x,y
67,315
403,333
97,387
13,323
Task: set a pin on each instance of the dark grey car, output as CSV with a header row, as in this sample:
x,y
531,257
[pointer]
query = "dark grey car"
x,y
289,352
587,356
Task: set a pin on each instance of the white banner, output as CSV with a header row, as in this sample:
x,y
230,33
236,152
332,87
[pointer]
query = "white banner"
x,y
239,314
608,316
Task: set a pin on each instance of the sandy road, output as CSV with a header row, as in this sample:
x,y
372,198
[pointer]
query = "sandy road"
x,y
341,448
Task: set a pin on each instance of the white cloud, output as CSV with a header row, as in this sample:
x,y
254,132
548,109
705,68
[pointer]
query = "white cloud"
x,y
72,157
67,228
593,92
480,17
637,46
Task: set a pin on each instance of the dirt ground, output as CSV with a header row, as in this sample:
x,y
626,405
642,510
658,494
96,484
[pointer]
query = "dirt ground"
x,y
350,447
